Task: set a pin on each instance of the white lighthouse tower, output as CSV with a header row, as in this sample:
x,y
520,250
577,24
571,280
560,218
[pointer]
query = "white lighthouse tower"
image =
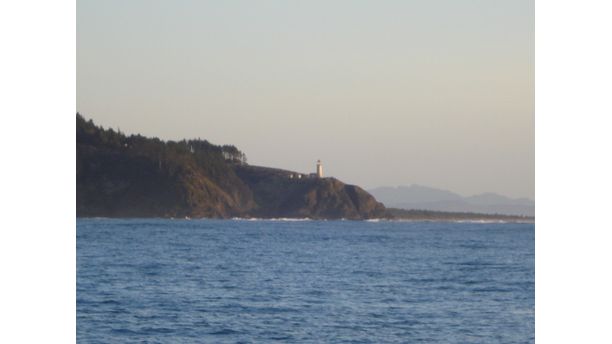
x,y
319,169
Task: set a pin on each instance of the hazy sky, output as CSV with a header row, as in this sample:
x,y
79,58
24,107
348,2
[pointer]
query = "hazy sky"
x,y
432,92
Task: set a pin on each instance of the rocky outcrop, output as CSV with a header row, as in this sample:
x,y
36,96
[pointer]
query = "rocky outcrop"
x,y
277,195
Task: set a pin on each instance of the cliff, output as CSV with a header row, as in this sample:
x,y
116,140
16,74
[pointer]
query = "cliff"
x,y
277,195
135,176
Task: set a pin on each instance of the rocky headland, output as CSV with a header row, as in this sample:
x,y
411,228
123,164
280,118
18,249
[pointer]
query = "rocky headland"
x,y
136,176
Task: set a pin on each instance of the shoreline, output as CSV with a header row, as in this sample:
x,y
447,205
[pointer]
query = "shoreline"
x,y
288,219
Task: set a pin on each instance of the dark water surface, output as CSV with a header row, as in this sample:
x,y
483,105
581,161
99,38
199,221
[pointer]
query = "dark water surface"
x,y
213,281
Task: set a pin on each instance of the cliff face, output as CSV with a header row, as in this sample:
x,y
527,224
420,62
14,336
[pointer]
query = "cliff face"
x,y
120,176
277,195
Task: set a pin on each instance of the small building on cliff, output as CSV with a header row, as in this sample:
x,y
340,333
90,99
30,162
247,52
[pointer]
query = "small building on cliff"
x,y
317,174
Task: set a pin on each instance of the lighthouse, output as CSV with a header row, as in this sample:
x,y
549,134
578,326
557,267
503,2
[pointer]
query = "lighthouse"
x,y
319,169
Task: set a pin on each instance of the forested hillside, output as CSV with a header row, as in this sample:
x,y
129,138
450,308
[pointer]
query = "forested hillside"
x,y
119,175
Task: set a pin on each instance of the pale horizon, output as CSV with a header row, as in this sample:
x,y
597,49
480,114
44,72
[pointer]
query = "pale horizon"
x,y
433,93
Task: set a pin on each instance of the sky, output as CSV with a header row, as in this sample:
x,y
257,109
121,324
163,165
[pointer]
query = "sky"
x,y
431,92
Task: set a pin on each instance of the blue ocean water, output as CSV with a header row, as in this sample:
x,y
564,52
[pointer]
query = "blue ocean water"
x,y
216,281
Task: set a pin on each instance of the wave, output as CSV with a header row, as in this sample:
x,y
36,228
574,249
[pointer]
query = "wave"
x,y
476,221
376,220
287,219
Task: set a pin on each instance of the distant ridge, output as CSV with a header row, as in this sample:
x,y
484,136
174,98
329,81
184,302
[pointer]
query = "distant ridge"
x,y
427,198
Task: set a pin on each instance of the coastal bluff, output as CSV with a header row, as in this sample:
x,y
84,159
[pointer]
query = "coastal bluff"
x,y
135,176
277,195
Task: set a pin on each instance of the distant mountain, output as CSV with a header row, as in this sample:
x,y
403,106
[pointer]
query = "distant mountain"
x,y
413,194
427,198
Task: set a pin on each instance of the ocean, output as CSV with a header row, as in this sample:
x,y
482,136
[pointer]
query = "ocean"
x,y
266,281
